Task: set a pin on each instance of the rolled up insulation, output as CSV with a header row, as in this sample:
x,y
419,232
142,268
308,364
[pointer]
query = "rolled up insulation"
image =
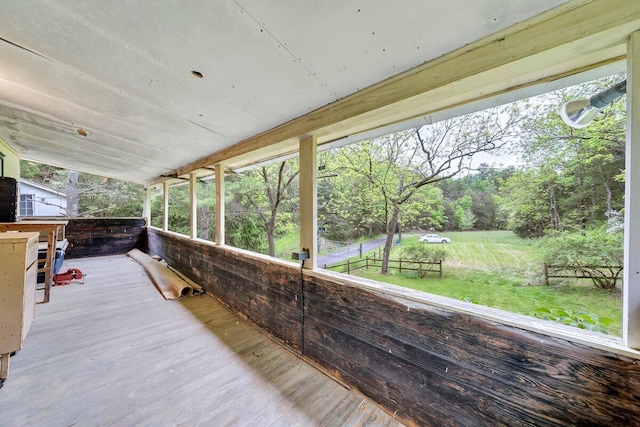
x,y
171,285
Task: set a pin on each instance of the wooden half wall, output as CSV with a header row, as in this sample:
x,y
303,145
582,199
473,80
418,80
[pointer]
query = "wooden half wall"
x,y
424,363
89,237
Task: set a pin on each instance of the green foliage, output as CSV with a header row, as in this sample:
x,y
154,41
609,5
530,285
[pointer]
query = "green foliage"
x,y
269,194
247,233
424,210
284,224
587,253
499,269
573,176
97,196
425,253
392,169
421,253
338,228
529,197
463,209
579,319
287,244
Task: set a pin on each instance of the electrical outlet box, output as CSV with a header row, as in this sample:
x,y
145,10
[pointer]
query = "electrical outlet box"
x,y
301,255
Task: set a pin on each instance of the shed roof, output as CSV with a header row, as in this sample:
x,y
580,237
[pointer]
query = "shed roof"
x,y
42,187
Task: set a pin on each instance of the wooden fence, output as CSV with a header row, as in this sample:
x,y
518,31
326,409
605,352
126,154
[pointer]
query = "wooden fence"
x,y
396,264
577,272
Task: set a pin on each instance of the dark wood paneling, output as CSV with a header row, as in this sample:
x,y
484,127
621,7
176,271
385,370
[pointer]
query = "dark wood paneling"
x,y
437,367
89,237
264,292
427,365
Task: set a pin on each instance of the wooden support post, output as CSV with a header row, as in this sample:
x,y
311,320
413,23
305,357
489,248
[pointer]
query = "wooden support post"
x,y
631,281
146,207
165,206
220,204
193,204
308,199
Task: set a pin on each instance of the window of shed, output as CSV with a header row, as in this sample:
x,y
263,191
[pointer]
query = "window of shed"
x,y
27,204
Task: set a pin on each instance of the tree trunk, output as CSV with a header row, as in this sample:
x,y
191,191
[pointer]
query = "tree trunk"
x,y
609,197
204,218
556,223
72,194
271,226
388,244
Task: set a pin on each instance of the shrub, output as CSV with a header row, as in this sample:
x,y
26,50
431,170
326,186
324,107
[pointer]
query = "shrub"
x,y
595,254
421,253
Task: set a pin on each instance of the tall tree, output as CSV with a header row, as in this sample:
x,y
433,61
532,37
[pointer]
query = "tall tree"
x,y
206,196
72,194
399,164
587,163
96,195
265,190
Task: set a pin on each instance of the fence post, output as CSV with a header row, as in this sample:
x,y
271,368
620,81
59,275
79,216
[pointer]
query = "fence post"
x,y
546,274
348,267
440,267
360,249
400,265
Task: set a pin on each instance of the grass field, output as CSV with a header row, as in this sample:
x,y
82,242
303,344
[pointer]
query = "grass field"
x,y
499,269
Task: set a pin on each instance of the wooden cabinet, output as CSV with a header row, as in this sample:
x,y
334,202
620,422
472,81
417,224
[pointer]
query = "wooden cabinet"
x,y
49,232
18,276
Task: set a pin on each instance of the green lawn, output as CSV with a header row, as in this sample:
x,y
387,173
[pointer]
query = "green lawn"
x,y
496,269
285,245
499,269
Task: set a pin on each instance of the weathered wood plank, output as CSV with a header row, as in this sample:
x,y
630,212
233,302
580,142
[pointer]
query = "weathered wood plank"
x,y
92,237
431,365
112,351
253,287
496,373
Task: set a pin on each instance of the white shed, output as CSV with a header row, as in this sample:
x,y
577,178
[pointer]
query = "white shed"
x,y
40,200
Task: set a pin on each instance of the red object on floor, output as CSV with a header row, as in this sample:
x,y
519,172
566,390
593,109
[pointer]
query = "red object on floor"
x,y
66,277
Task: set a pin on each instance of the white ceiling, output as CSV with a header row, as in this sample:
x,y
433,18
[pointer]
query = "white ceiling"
x,y
121,71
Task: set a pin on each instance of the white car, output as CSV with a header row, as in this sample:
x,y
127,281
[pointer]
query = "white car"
x,y
434,238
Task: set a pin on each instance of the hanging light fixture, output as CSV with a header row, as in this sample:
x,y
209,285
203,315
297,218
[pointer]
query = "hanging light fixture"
x,y
580,113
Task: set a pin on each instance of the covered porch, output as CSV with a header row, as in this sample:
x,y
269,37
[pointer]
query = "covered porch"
x,y
113,347
174,94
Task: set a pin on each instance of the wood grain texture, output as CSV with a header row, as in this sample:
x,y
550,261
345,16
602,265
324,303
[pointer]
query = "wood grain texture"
x,y
428,365
91,237
114,352
475,371
254,287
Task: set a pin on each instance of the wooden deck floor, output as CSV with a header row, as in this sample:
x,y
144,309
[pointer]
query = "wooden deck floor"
x,y
112,352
